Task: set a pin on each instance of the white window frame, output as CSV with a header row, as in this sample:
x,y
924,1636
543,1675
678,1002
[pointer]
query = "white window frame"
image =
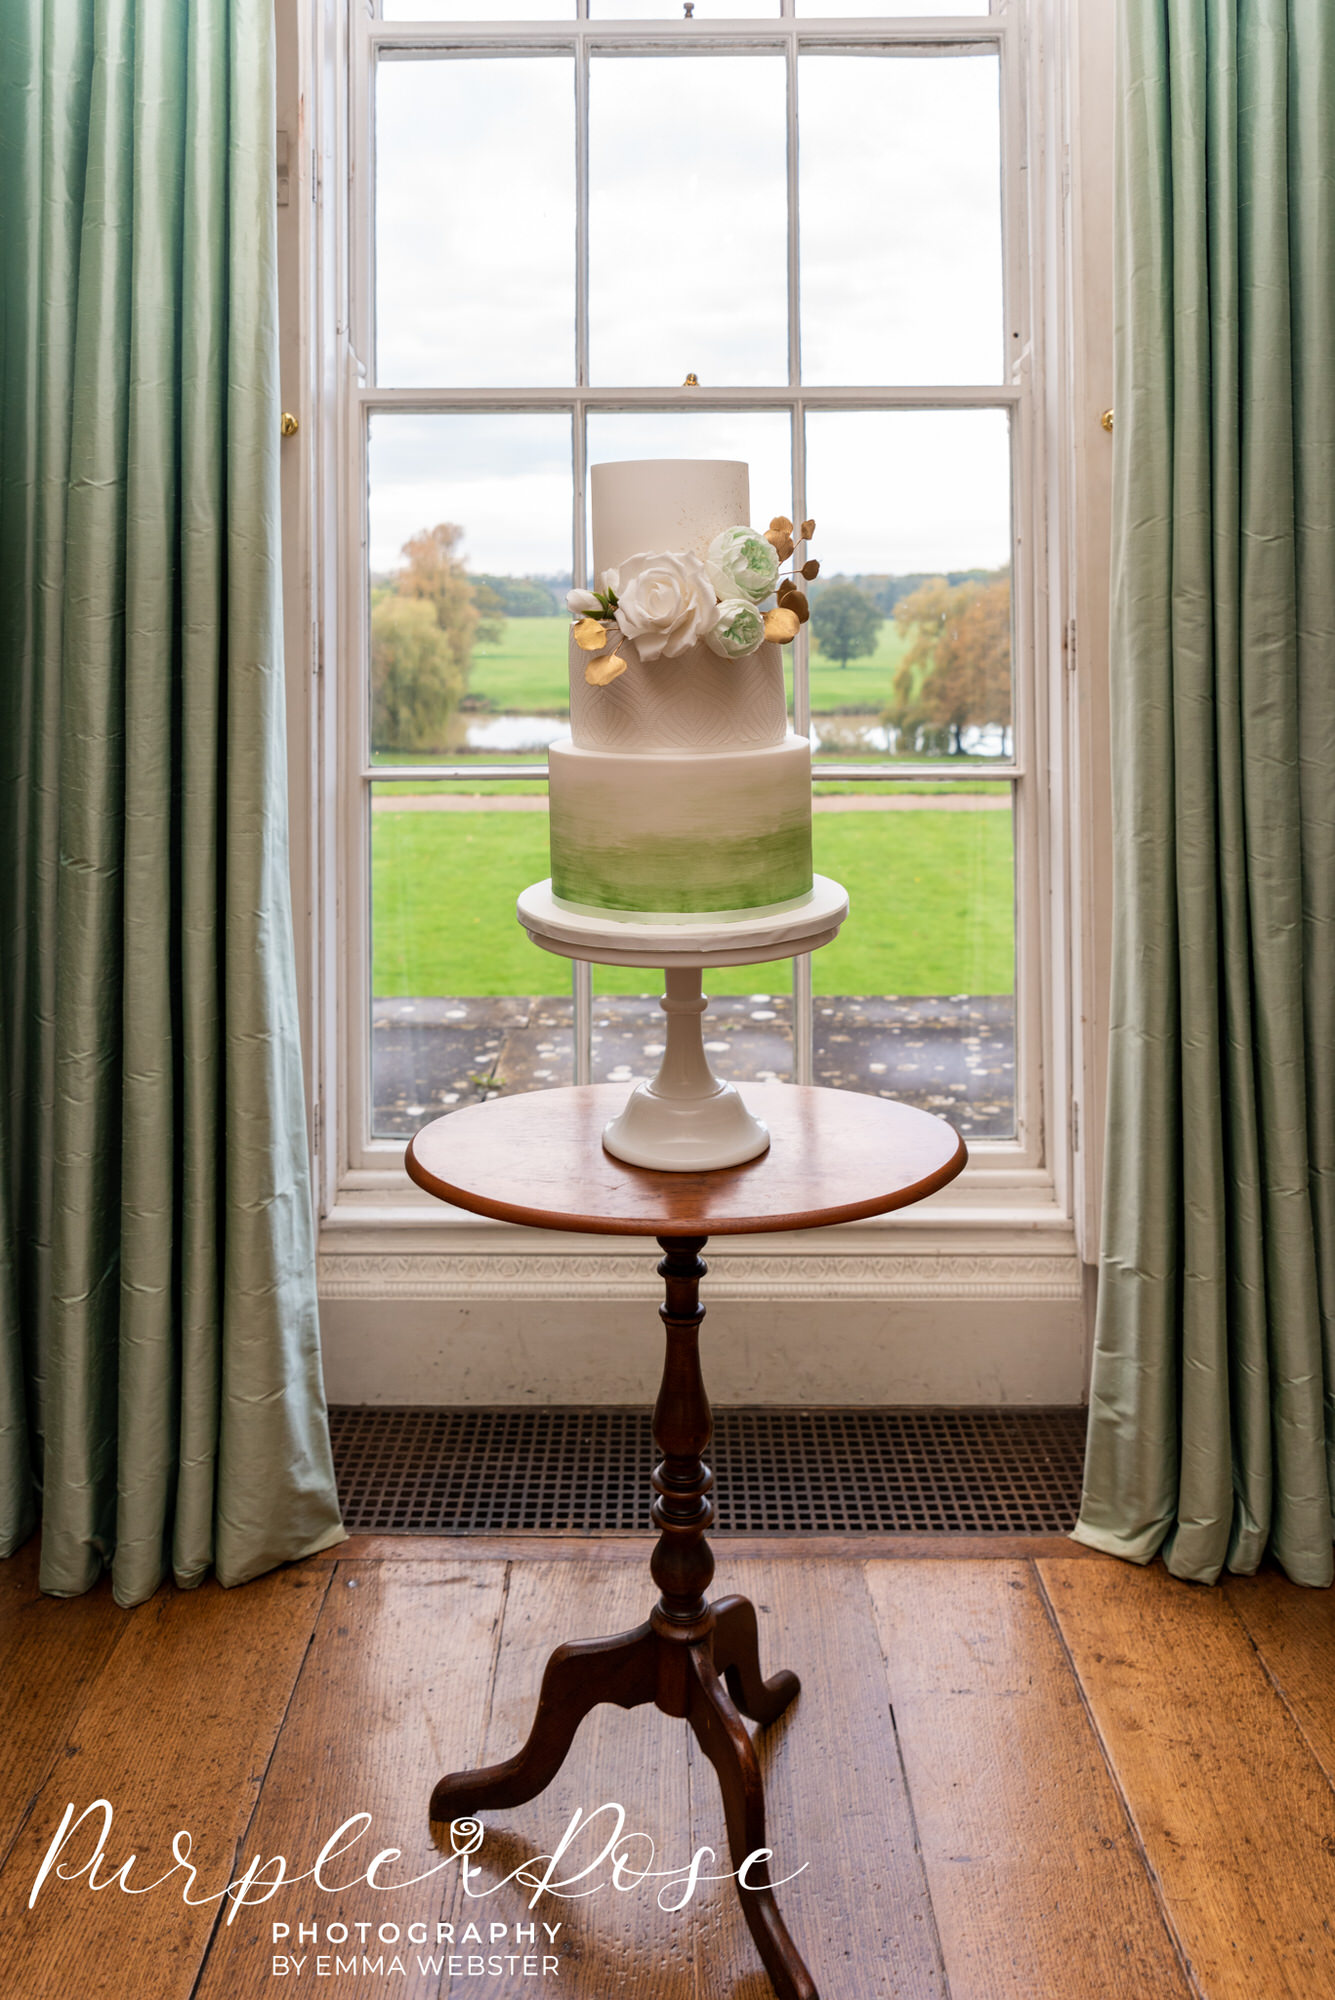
x,y
1026,1181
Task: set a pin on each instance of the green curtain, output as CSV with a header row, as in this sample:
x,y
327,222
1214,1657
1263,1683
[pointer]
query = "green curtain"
x,y
1212,1432
161,1402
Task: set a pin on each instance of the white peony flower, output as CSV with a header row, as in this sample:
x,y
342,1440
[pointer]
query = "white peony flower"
x,y
665,603
739,631
582,600
742,563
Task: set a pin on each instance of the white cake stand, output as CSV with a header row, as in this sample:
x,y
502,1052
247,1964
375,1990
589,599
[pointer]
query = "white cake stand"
x,y
687,1120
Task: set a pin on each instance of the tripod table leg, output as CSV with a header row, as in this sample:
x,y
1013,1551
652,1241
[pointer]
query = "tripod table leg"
x,y
578,1677
723,1738
737,1657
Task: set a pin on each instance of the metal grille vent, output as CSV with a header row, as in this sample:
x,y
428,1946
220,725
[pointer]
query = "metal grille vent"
x,y
544,1471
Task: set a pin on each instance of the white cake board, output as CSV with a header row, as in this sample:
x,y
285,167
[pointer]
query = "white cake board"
x,y
608,939
687,1120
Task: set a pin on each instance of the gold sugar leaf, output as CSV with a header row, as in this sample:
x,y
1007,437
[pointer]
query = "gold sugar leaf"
x,y
806,531
782,544
797,602
590,635
599,672
782,523
787,589
782,625
811,569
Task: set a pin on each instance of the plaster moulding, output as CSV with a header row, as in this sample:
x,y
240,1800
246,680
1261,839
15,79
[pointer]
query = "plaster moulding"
x,y
1029,1271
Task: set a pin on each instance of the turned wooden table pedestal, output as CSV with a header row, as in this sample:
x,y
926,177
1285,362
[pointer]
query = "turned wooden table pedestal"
x,y
539,1160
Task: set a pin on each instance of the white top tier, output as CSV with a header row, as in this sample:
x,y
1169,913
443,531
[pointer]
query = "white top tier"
x,y
646,505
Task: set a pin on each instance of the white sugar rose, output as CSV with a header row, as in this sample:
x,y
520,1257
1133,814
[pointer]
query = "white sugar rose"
x,y
742,563
665,603
582,600
739,631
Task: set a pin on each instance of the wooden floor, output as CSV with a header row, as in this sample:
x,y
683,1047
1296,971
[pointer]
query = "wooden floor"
x,y
1016,1770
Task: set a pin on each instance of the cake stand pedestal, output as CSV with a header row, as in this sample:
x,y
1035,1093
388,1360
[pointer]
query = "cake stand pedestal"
x,y
688,1120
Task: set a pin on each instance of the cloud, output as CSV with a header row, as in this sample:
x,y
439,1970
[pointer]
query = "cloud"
x,y
504,479
896,491
900,205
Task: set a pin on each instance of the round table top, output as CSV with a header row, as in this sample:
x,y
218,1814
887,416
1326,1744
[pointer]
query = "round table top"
x,y
538,1158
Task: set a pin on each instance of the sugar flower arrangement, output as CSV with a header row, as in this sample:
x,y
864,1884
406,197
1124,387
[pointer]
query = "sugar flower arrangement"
x,y
671,601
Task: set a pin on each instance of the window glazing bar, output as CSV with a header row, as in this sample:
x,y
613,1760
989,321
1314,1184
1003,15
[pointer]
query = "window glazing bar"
x,y
913,396
885,774
581,985
964,34
803,1053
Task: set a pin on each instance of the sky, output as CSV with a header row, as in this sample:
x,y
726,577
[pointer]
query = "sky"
x,y
900,283
893,491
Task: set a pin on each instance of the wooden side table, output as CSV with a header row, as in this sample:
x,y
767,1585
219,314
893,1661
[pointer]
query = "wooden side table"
x,y
538,1159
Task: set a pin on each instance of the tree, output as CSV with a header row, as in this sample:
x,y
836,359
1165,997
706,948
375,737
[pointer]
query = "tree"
x,y
955,672
416,680
845,622
518,596
425,621
465,614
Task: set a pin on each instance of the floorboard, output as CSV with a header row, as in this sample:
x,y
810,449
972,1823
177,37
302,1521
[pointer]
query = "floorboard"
x,y
1235,1814
1036,1878
629,1546
51,1651
1293,1630
389,1698
613,1944
176,1732
836,1803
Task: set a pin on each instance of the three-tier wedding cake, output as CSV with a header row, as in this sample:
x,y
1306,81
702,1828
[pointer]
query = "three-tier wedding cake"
x,y
681,790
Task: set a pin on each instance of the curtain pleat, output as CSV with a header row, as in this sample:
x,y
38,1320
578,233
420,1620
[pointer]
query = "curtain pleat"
x,y
160,1376
1211,1403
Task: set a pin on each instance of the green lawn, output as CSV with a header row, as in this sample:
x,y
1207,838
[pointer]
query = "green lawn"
x,y
931,894
863,686
528,671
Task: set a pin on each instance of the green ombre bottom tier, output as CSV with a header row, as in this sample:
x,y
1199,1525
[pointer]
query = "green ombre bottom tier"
x,y
674,832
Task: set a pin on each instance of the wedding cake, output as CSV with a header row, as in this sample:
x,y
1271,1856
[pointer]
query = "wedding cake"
x,y
681,791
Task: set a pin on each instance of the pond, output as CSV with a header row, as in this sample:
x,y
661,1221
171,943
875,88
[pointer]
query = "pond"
x,y
514,732
847,735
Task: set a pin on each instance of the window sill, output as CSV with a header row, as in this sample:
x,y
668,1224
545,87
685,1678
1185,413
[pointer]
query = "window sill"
x,y
1006,1238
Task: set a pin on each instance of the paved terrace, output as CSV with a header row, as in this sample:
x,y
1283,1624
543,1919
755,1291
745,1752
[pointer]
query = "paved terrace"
x,y
954,1055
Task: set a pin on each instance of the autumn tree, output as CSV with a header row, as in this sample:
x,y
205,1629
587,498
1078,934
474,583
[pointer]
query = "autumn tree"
x,y
416,680
433,570
845,622
955,671
423,630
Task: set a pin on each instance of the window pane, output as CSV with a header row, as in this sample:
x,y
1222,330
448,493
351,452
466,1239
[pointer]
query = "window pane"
x,y
472,514
673,10
475,221
920,9
911,615
477,10
688,268
464,1007
915,997
901,219
748,1027
762,439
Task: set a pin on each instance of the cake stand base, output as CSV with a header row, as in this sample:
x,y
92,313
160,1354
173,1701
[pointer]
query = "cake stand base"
x,y
687,1120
